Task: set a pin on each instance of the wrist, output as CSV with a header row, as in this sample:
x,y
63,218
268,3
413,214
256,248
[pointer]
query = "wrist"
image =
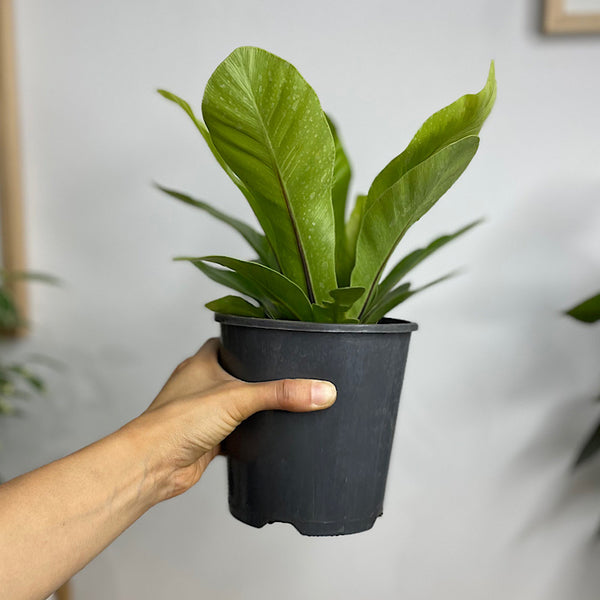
x,y
139,436
136,441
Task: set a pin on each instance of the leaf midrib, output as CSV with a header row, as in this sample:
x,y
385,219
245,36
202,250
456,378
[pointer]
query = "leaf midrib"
x,y
285,195
401,234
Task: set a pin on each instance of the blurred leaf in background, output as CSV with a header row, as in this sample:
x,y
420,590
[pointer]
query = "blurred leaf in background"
x,y
588,311
17,379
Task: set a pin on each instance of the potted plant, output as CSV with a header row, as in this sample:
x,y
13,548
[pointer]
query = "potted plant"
x,y
313,302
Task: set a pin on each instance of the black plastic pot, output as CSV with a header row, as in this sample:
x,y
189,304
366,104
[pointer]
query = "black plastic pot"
x,y
323,472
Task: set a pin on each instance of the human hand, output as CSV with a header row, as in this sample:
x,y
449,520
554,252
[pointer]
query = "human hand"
x,y
55,519
200,405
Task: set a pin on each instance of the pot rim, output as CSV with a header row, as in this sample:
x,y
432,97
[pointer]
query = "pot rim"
x,y
386,325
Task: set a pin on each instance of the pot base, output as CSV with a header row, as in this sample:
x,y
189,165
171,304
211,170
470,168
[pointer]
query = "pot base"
x,y
312,528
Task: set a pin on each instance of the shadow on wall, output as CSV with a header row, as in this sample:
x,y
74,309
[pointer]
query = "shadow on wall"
x,y
553,261
550,261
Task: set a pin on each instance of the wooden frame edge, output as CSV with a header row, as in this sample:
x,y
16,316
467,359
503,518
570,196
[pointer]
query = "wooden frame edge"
x,y
556,20
11,209
64,592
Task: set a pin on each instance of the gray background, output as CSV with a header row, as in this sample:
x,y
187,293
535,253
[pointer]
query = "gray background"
x,y
481,502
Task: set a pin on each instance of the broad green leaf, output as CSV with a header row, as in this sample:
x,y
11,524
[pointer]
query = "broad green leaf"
x,y
352,229
240,284
273,285
463,118
387,220
277,286
267,124
342,173
590,448
234,305
334,311
395,297
207,138
410,261
588,311
346,297
328,314
256,240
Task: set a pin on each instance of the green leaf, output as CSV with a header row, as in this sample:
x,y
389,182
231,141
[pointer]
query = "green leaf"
x,y
334,311
588,311
30,378
236,282
463,118
234,305
29,276
387,302
352,228
387,220
395,297
267,124
203,132
346,297
6,408
188,110
413,259
207,138
256,240
9,315
590,448
277,286
7,386
10,319
342,173
327,314
280,290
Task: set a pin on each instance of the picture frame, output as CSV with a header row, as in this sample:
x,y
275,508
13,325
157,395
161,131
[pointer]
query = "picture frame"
x,y
11,209
571,16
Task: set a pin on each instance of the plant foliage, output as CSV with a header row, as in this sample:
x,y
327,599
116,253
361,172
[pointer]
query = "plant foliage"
x,y
265,126
17,380
588,311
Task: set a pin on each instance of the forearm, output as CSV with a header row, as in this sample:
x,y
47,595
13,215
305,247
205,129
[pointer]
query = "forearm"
x,y
55,519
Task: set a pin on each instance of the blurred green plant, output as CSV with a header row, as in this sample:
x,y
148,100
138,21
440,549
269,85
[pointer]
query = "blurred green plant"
x,y
588,311
17,379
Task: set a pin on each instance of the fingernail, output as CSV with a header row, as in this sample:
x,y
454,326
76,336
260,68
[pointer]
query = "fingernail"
x,y
322,393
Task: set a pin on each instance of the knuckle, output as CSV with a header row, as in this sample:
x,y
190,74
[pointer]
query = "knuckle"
x,y
230,401
285,393
233,416
182,365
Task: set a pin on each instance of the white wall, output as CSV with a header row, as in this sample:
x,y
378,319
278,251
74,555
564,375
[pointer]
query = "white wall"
x,y
481,501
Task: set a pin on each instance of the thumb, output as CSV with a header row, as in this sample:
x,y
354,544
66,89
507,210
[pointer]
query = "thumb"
x,y
294,395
